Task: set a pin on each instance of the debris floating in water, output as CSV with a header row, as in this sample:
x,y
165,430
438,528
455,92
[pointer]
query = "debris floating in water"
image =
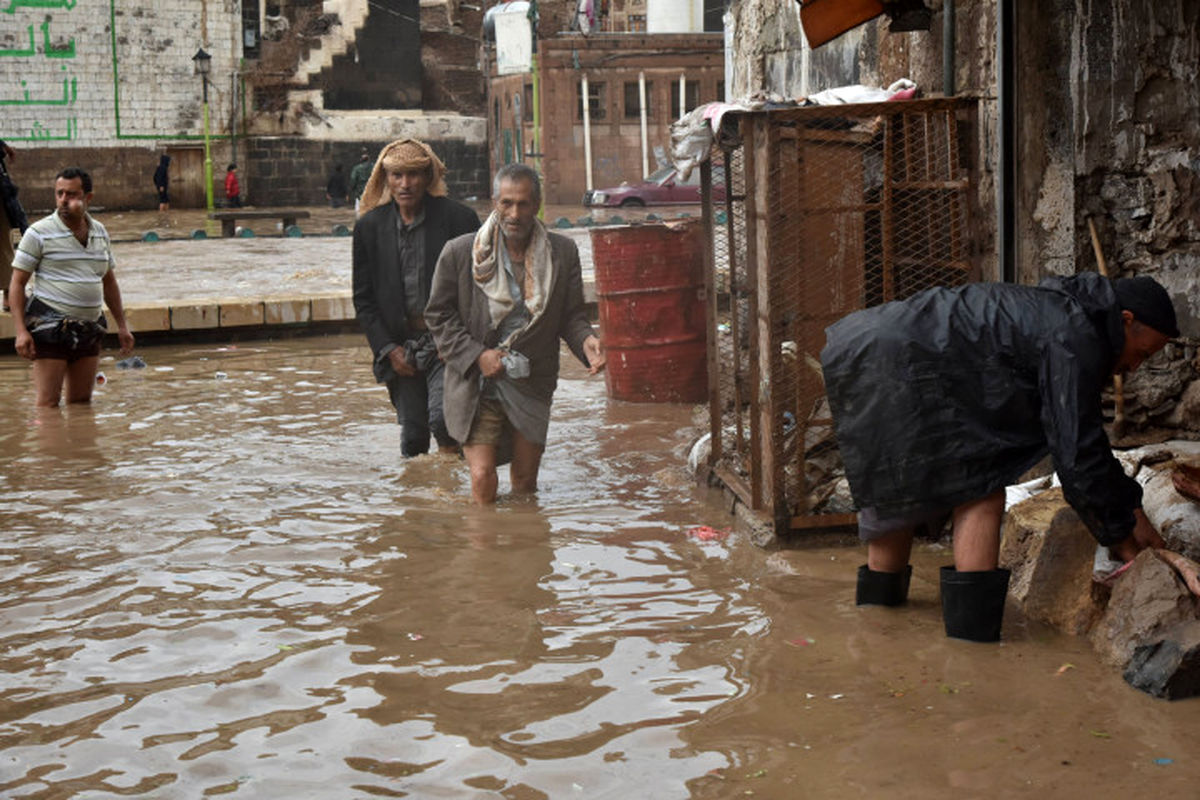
x,y
705,533
133,362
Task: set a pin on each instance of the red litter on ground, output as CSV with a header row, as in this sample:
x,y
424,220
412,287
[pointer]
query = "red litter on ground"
x,y
706,534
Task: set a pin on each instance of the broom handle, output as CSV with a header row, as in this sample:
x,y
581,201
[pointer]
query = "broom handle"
x,y
1118,382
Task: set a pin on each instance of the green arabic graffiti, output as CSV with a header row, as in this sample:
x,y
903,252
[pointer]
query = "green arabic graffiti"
x,y
56,52
69,95
28,52
41,133
13,5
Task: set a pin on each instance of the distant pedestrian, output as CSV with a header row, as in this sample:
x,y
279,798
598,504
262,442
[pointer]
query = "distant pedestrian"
x,y
161,183
335,190
61,325
360,173
233,190
11,216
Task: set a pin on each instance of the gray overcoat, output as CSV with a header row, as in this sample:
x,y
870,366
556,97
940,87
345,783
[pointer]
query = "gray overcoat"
x,y
458,317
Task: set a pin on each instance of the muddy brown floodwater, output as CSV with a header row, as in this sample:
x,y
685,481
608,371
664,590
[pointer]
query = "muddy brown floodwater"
x,y
221,580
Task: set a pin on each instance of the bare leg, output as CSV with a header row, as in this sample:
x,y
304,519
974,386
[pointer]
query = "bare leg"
x,y
977,533
48,376
890,552
81,379
527,460
481,459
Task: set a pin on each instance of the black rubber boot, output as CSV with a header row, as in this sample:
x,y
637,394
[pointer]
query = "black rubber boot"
x,y
882,588
973,603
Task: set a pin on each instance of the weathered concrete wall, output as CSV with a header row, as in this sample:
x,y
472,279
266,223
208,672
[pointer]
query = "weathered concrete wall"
x,y
1137,138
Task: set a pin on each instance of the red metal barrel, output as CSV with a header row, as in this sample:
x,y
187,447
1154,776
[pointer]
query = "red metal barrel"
x,y
650,288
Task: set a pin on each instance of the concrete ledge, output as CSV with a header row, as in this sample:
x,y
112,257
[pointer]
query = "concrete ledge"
x,y
143,318
235,313
332,307
193,317
286,312
205,316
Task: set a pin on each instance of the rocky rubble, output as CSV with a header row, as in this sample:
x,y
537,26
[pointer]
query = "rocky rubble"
x,y
1148,624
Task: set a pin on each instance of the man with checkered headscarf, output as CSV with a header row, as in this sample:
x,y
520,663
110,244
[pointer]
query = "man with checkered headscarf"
x,y
405,219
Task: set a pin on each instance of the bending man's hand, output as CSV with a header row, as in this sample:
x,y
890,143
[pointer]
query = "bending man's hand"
x,y
1144,535
593,348
125,338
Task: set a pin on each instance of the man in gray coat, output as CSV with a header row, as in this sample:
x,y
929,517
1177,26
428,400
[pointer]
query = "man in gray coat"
x,y
502,298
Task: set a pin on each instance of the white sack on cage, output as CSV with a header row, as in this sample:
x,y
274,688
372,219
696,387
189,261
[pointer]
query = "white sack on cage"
x,y
692,134
903,89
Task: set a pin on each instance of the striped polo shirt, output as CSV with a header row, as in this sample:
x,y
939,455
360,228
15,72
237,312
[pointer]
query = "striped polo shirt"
x,y
67,275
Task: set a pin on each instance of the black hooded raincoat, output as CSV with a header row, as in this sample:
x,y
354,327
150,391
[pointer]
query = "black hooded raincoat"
x,y
954,393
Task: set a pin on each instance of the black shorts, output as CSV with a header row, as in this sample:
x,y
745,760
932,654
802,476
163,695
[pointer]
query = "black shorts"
x,y
60,337
162,194
933,519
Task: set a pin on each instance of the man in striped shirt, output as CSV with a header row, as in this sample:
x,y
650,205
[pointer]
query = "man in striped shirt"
x,y
60,325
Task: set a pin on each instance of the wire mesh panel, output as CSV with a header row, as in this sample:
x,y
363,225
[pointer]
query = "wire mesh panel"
x,y
825,210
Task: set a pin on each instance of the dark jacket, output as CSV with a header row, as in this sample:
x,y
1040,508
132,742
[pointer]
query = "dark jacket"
x,y
161,179
954,393
10,204
378,283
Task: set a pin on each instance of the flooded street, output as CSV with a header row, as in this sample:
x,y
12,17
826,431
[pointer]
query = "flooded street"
x,y
220,579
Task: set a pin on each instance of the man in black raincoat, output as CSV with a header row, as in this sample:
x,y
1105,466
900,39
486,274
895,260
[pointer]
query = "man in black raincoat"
x,y
941,400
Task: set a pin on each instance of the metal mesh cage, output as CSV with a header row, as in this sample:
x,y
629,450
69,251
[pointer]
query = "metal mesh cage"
x,y
824,211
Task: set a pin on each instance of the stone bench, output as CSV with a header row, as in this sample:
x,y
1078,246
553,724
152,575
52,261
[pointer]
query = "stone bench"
x,y
230,218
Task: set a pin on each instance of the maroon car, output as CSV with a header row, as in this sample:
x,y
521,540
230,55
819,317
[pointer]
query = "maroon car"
x,y
663,187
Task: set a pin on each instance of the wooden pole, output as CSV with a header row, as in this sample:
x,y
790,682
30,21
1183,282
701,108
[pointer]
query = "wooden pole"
x,y
1118,381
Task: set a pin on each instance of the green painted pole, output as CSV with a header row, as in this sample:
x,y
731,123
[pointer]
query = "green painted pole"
x,y
208,171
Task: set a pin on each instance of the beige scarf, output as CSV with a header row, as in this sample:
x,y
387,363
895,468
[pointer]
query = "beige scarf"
x,y
491,277
402,154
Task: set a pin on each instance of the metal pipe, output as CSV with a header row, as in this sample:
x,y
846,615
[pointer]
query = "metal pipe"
x,y
587,132
645,135
948,45
682,95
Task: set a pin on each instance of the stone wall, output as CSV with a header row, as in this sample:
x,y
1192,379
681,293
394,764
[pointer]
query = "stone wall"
x,y
284,171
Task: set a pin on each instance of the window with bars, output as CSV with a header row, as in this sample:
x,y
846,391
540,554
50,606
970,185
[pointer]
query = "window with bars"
x,y
633,100
691,96
595,100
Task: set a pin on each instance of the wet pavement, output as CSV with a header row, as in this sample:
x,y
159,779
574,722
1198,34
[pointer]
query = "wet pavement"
x,y
220,579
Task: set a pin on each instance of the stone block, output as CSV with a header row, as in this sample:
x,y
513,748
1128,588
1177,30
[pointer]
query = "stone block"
x,y
6,326
1170,667
1147,603
1050,552
333,308
238,313
143,318
283,312
194,317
